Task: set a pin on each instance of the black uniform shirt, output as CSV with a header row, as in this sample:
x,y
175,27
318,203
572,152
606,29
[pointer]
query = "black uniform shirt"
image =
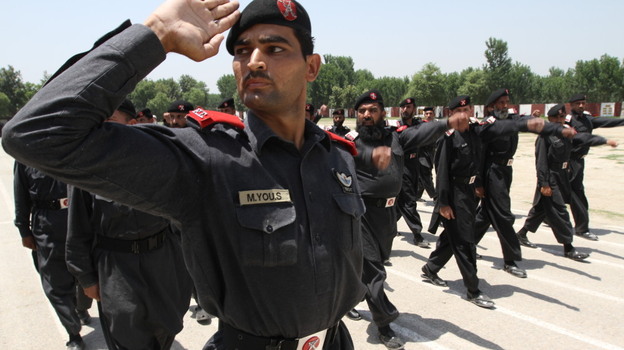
x,y
340,130
34,192
585,123
262,262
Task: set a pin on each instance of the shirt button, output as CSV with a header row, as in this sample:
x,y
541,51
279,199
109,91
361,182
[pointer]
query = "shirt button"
x,y
269,228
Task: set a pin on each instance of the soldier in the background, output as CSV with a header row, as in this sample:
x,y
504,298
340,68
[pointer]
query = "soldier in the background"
x,y
425,157
552,159
175,117
145,116
338,128
41,218
407,200
227,106
583,122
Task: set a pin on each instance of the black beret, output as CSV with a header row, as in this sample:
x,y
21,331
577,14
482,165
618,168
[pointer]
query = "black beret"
x,y
180,106
459,101
287,13
228,102
496,95
370,96
554,111
428,109
147,113
578,97
127,107
338,111
407,101
309,107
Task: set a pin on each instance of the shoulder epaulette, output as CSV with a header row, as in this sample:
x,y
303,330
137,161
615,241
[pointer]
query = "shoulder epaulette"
x,y
490,120
349,144
449,132
207,118
473,120
401,128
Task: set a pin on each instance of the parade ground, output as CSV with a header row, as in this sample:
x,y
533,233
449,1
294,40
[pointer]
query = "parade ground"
x,y
563,304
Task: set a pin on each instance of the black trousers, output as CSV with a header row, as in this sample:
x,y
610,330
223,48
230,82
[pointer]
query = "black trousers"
x,y
425,182
373,277
578,201
407,207
554,210
458,239
495,210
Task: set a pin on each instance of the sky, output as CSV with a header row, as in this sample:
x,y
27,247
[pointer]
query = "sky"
x,y
389,38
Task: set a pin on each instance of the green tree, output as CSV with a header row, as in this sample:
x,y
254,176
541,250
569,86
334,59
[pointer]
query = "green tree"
x,y
601,79
5,105
344,97
392,89
428,86
12,86
498,66
556,87
522,83
474,84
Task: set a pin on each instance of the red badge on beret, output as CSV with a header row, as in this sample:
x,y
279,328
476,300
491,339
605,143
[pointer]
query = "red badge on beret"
x,y
288,9
181,107
373,96
462,102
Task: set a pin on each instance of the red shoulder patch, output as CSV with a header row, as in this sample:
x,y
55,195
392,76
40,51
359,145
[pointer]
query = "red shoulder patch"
x,y
207,118
349,144
401,128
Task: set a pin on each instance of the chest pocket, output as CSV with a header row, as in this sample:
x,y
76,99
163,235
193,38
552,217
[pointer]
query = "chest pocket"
x,y
270,236
349,230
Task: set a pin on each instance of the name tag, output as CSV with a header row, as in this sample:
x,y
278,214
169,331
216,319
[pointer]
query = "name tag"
x,y
510,162
472,180
564,165
263,196
390,202
64,203
313,341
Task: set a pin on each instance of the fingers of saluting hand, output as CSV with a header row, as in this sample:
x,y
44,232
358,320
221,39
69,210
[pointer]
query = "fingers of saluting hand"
x,y
193,27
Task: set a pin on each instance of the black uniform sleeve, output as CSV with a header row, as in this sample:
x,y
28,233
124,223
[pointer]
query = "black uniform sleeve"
x,y
541,162
61,131
427,133
443,177
80,238
23,202
587,139
604,122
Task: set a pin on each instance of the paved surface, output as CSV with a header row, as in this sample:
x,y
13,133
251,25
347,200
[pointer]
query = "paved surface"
x,y
561,305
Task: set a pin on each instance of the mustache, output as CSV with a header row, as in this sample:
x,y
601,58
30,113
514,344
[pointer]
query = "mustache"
x,y
257,74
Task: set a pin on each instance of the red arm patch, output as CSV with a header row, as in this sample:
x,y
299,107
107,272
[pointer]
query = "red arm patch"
x,y
349,144
401,128
206,118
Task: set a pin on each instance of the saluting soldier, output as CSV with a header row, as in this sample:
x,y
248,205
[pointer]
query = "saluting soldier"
x,y
495,207
379,164
276,256
458,164
583,122
227,106
407,200
552,159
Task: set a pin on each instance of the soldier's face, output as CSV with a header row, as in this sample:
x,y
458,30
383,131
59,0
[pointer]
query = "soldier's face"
x,y
271,73
429,115
338,119
228,110
177,120
578,106
370,114
407,111
559,118
502,104
463,109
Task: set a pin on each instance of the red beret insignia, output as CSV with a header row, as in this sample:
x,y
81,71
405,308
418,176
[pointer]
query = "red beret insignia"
x,y
462,102
373,96
181,107
288,9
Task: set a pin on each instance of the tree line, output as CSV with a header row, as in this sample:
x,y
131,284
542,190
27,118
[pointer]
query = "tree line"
x,y
339,84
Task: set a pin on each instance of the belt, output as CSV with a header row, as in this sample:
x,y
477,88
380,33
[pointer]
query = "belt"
x,y
55,204
136,246
380,202
463,180
502,161
559,166
237,339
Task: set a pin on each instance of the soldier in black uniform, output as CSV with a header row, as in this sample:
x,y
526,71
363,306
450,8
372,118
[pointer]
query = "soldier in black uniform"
x,y
583,122
41,218
379,164
458,164
227,106
407,206
425,158
131,263
552,159
495,207
276,256
175,117
338,128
